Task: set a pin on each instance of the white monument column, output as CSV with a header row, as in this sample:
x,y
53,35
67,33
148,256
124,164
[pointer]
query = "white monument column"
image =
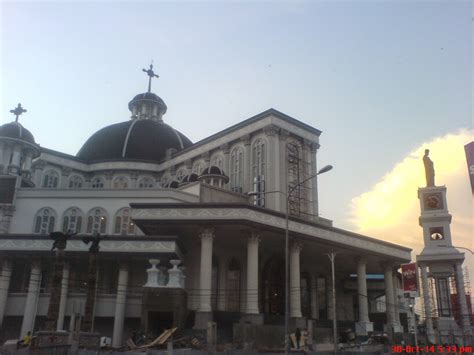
x,y
389,301
465,322
5,277
31,299
364,325
204,311
396,303
427,304
295,281
120,303
62,303
314,297
252,273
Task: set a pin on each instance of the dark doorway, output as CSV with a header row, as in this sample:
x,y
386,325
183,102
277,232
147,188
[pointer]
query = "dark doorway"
x,y
273,289
159,322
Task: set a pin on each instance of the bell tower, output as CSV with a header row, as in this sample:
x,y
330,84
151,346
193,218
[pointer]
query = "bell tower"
x,y
441,265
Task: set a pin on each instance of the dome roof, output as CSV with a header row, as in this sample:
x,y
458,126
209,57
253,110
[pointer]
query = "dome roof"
x,y
17,131
213,170
150,97
140,139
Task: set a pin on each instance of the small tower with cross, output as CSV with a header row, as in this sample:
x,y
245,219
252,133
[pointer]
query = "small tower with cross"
x,y
440,264
148,105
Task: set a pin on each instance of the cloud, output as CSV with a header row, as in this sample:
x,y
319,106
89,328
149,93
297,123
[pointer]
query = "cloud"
x,y
390,210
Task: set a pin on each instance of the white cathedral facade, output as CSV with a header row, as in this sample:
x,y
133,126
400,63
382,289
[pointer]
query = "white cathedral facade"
x,y
184,207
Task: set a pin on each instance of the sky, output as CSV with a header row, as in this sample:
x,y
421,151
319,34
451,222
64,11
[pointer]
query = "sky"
x,y
381,79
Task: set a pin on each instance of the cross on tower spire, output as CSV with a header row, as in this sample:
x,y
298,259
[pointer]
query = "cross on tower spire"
x,y
150,74
17,111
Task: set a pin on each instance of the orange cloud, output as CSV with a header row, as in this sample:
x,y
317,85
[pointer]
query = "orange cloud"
x,y
390,210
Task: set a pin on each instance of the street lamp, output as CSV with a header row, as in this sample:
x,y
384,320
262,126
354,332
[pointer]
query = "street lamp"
x,y
287,212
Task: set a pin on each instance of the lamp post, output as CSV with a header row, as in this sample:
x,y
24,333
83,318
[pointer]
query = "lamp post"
x,y
287,213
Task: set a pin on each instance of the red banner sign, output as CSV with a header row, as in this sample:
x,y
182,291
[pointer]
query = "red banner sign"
x,y
410,279
469,148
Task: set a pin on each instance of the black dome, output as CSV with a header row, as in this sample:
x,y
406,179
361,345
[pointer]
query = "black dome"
x,y
139,139
148,96
17,131
213,170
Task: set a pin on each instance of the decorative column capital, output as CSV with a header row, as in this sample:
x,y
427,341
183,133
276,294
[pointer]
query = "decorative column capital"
x,y
207,233
225,148
254,237
361,260
271,130
314,147
65,171
245,139
296,247
109,175
284,135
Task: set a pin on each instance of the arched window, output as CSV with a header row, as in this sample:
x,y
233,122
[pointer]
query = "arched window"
x,y
258,171
96,221
120,182
97,183
233,286
44,221
76,182
146,183
123,222
236,169
181,174
218,160
72,220
198,167
50,179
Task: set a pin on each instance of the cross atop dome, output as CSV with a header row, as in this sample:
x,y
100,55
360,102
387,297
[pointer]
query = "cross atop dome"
x,y
18,111
151,74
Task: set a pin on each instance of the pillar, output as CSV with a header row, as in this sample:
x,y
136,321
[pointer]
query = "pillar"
x,y
465,322
222,274
120,303
295,281
314,297
314,182
273,167
62,303
364,325
396,303
427,304
15,164
31,299
226,150
251,309
389,301
247,175
329,298
204,311
5,277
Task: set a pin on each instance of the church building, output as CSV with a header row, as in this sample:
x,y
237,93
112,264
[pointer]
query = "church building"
x,y
207,218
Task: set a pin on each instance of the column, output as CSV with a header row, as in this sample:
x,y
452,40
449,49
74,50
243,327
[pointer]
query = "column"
x,y
2,153
389,301
120,303
252,274
314,182
5,277
364,325
295,281
247,176
31,299
465,322
62,303
283,162
65,172
204,311
314,297
396,303
272,180
226,150
221,295
329,298
39,167
427,304
27,167
15,164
